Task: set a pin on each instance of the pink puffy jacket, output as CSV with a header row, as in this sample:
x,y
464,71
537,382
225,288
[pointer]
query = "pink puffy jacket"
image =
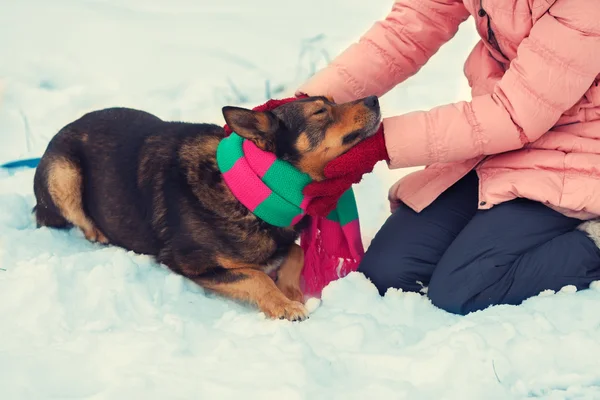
x,y
531,130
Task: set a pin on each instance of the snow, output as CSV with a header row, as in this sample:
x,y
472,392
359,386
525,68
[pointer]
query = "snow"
x,y
84,321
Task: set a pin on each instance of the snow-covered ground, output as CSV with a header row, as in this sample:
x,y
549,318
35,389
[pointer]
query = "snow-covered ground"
x,y
82,321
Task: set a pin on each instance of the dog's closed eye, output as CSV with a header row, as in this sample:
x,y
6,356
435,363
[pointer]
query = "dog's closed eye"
x,y
350,137
320,111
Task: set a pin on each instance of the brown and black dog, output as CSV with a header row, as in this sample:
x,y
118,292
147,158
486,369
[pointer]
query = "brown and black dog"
x,y
128,178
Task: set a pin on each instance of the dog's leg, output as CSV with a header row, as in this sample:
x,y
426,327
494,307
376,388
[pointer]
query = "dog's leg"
x,y
65,185
254,286
288,275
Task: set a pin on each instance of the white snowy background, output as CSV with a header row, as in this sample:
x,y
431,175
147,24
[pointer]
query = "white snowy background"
x,y
82,321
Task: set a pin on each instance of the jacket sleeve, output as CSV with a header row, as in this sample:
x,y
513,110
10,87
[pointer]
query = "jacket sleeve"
x,y
555,65
390,52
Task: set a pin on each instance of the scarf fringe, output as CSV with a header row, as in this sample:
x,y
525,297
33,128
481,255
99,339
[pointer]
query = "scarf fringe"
x,y
322,262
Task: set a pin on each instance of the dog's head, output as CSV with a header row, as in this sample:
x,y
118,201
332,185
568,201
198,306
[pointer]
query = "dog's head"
x,y
308,132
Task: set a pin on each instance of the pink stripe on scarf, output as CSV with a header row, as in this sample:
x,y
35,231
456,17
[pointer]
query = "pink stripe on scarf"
x,y
327,254
259,160
303,206
239,178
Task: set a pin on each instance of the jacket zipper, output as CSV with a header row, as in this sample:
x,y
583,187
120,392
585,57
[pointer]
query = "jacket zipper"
x,y
490,32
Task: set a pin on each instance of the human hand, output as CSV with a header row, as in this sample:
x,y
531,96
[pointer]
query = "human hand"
x,y
343,172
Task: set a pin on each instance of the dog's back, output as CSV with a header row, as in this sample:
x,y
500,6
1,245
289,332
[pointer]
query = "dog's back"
x,y
107,173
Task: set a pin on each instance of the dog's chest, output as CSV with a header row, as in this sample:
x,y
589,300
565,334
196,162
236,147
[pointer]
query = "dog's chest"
x,y
272,266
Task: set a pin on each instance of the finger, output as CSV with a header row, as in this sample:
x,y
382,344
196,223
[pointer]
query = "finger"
x,y
327,188
351,160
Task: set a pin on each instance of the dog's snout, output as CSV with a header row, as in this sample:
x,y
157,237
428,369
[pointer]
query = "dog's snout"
x,y
372,102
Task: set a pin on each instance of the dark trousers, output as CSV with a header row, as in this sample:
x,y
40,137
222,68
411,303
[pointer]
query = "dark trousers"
x,y
472,259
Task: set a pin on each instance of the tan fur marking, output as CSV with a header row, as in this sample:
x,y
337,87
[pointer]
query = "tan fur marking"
x,y
259,289
65,187
303,144
314,167
288,275
263,122
348,118
229,263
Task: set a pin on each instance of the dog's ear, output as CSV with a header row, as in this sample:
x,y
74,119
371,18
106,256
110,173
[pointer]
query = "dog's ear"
x,y
259,127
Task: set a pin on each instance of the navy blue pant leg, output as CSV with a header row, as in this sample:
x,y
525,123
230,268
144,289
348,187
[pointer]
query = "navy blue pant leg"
x,y
405,251
512,252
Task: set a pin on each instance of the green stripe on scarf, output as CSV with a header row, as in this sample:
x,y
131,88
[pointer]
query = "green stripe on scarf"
x,y
346,209
275,210
229,151
283,175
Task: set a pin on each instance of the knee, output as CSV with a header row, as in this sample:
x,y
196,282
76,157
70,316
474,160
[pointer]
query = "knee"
x,y
388,270
459,292
379,270
447,296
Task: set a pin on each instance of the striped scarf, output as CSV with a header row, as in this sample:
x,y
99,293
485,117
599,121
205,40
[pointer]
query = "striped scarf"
x,y
272,190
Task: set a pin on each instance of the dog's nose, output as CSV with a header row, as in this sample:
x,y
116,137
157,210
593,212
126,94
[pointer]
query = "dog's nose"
x,y
372,102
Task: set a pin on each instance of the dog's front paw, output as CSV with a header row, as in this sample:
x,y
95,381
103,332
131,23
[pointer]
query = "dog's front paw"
x,y
285,309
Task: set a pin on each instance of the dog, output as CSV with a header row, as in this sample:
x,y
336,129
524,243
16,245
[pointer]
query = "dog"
x,y
127,178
